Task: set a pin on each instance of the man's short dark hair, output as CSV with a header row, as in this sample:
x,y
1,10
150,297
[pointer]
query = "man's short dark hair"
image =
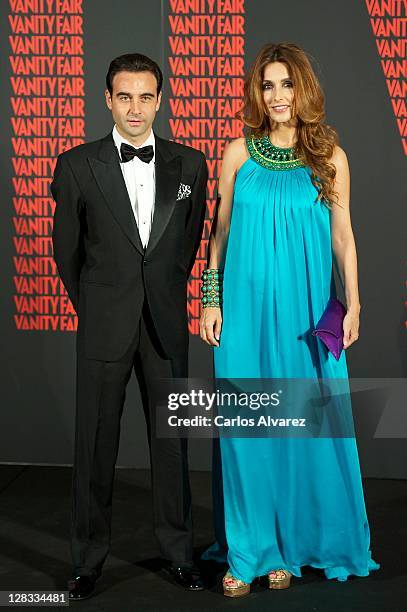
x,y
133,62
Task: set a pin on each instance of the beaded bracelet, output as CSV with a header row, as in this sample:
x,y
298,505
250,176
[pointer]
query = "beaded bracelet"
x,y
212,286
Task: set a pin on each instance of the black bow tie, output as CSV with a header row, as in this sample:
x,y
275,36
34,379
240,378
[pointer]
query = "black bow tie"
x,y
127,152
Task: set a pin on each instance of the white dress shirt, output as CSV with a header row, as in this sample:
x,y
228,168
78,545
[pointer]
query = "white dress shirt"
x,y
140,182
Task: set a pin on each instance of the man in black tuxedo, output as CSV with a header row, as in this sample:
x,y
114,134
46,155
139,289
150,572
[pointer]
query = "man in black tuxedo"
x,y
127,226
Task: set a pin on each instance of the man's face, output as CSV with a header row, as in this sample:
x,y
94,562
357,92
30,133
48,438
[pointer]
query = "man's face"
x,y
134,104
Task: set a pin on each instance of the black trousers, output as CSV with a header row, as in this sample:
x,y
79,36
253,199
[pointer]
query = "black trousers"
x,y
101,390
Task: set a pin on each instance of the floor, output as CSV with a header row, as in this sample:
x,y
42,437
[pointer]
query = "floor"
x,y
34,549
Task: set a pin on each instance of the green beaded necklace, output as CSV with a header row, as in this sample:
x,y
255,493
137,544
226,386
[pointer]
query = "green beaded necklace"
x,y
268,155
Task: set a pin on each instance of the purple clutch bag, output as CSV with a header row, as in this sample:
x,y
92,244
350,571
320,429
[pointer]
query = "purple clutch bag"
x,y
330,327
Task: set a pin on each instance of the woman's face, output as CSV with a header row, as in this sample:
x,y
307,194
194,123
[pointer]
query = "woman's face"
x,y
278,92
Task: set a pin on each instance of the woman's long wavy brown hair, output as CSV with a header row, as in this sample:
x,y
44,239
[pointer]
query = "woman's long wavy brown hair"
x,y
315,139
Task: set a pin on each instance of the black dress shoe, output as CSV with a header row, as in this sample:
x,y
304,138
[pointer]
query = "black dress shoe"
x,y
189,578
81,587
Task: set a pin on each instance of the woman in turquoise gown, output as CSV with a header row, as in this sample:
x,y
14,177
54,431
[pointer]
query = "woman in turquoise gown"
x,y
288,502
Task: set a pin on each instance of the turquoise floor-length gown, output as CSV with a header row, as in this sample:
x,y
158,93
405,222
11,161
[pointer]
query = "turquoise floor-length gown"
x,y
288,502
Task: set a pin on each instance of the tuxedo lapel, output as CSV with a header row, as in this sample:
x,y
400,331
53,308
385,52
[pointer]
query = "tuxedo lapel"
x,y
167,180
108,175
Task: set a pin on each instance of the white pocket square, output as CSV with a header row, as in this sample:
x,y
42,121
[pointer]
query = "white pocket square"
x,y
183,192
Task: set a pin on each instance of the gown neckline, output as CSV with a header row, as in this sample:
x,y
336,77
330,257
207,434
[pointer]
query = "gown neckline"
x,y
268,155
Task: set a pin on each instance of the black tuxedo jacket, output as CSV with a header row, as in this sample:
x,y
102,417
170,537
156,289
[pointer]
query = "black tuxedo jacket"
x,y
98,251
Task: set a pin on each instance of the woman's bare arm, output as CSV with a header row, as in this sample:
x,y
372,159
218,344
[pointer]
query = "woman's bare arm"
x,y
234,156
344,248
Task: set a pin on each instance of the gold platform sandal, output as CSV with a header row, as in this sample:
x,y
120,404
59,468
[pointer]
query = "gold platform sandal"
x,y
233,587
279,579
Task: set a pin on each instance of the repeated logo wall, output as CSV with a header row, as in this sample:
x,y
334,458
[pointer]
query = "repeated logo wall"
x,y
48,117
204,65
205,82
389,26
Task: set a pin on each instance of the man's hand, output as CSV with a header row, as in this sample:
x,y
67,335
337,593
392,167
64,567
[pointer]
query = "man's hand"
x,y
210,325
